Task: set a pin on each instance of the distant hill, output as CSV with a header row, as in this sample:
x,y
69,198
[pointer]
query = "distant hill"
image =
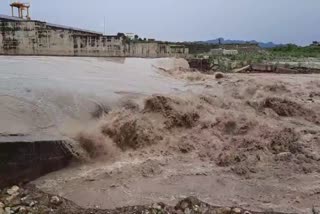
x,y
228,41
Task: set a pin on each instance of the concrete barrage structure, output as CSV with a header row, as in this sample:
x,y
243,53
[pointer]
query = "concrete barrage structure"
x,y
221,51
32,37
242,48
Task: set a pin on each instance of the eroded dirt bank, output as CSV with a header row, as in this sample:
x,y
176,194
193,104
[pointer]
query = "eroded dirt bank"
x,y
249,140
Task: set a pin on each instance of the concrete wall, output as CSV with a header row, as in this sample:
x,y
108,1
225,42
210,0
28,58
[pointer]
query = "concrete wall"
x,y
241,48
40,38
221,51
22,162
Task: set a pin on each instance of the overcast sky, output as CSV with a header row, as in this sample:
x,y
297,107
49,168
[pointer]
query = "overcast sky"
x,y
280,21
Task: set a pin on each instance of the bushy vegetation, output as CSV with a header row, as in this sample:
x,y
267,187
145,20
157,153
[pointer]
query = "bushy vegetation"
x,y
199,48
296,51
227,63
281,54
249,58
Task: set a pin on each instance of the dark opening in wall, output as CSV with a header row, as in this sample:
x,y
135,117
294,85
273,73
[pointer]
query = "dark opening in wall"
x,y
24,161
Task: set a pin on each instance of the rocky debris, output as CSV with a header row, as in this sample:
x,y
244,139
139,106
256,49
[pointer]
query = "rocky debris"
x,y
306,70
7,210
20,200
23,209
1,208
219,75
55,200
13,190
45,203
32,203
316,210
284,70
193,205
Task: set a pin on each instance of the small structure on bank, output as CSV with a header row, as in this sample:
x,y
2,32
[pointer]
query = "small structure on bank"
x,y
224,52
21,6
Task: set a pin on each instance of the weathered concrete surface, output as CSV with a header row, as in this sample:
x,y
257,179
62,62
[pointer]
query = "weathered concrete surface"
x,y
24,161
23,37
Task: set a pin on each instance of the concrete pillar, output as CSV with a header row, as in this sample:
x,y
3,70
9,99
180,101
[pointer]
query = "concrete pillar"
x,y
28,17
20,12
12,11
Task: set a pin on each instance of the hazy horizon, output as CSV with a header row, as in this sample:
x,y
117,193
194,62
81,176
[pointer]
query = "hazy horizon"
x,y
278,21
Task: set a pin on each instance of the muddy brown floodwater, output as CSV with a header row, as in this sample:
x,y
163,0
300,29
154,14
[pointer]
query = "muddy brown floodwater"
x,y
45,97
244,140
